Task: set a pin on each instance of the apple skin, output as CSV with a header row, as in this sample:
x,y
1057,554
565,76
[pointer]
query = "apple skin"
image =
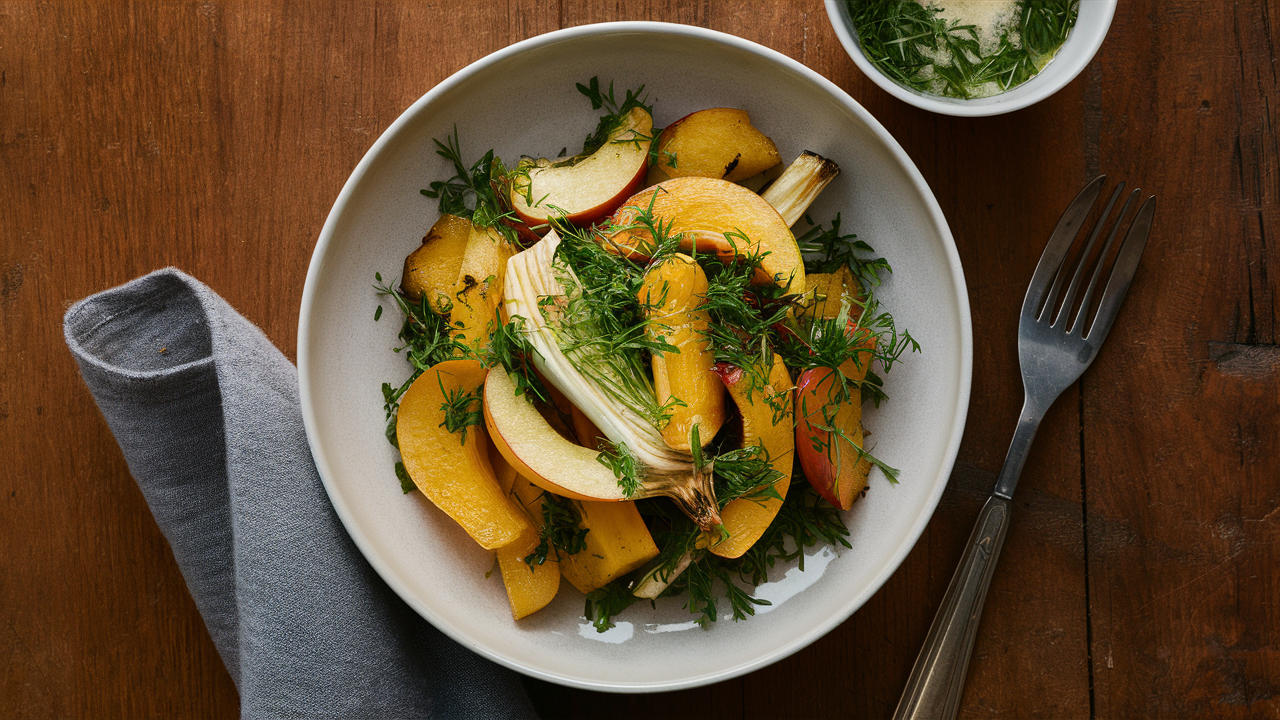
x,y
837,471
593,186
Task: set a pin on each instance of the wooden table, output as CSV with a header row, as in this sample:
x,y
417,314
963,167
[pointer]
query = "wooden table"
x,y
1140,577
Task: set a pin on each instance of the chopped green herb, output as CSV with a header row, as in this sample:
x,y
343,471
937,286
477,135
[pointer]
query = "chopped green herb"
x,y
562,533
461,410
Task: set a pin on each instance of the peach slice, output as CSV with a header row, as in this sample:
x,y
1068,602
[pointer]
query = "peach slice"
x,y
716,142
477,289
673,293
453,471
835,467
431,270
584,189
712,216
746,519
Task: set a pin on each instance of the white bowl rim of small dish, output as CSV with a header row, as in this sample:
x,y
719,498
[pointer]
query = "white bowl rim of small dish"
x,y
307,371
1081,45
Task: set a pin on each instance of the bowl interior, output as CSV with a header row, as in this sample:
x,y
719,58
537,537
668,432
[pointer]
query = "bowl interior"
x,y
1079,48
523,101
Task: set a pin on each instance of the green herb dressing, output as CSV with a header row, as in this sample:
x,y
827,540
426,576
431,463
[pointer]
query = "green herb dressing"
x,y
963,49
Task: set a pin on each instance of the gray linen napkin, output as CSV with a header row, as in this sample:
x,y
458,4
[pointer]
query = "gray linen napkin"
x,y
206,411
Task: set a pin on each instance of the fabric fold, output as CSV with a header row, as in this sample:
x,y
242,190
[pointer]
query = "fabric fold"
x,y
206,411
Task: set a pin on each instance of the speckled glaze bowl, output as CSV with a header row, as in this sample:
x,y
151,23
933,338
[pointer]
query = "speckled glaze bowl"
x,y
1082,43
522,100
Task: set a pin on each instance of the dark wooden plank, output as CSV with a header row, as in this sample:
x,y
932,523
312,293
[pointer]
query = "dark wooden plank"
x,y
1180,421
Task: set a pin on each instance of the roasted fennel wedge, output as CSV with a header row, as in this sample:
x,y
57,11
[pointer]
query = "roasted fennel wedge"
x,y
609,386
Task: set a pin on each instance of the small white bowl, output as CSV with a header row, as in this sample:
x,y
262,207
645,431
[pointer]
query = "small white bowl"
x,y
1081,45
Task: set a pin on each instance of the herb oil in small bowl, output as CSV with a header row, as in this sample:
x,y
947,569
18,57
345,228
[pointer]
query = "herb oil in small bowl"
x,y
971,57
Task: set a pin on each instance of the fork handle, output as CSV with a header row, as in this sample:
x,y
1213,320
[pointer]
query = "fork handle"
x,y
937,680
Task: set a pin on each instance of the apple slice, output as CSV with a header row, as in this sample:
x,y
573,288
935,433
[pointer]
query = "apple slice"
x,y
559,466
716,142
537,451
712,216
584,189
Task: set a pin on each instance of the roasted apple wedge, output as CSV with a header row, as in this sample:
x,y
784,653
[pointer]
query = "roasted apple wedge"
x,y
829,433
585,188
716,142
477,290
431,270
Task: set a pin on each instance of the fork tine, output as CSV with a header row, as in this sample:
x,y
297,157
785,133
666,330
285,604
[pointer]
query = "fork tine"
x,y
1069,296
1078,322
1122,272
1059,243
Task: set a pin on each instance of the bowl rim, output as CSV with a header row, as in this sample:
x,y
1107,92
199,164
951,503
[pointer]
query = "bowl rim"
x,y
327,234
837,14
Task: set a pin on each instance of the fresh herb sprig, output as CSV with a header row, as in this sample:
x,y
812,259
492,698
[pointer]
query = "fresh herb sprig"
x,y
461,409
509,347
475,192
562,533
624,464
601,327
616,114
427,341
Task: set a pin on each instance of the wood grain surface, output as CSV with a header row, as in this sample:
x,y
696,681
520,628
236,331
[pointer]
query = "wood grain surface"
x,y
1140,575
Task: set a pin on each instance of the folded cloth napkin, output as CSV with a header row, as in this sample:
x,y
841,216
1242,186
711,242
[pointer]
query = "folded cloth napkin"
x,y
206,411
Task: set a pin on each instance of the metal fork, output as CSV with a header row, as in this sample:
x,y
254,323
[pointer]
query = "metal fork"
x,y
1056,343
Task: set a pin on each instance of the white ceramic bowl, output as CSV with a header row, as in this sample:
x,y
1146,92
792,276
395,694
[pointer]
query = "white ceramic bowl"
x,y
522,100
1086,37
